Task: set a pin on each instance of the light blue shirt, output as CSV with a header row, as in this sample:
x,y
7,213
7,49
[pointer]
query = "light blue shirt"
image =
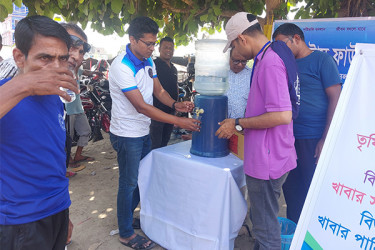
x,y
75,107
238,92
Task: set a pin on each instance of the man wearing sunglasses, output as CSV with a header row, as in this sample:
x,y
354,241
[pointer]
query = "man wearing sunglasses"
x,y
77,119
239,85
132,82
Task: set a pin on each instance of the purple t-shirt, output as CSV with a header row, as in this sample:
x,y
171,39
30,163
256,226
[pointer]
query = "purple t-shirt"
x,y
269,153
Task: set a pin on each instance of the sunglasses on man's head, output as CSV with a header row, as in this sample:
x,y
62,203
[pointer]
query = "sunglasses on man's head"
x,y
236,62
78,42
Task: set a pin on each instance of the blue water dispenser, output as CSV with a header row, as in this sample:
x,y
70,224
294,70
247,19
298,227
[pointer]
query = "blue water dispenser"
x,y
211,106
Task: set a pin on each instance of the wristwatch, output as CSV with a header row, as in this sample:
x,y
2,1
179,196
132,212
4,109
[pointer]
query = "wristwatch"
x,y
173,106
238,127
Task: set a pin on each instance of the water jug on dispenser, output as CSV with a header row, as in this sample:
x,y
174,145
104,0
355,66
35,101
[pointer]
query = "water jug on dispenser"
x,y
211,106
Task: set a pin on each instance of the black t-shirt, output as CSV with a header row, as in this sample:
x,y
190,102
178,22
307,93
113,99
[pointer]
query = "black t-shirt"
x,y
168,79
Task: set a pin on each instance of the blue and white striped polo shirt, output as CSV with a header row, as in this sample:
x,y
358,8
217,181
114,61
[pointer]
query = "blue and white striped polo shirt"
x,y
128,73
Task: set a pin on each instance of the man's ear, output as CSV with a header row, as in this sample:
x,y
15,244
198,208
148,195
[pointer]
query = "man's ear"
x,y
242,38
132,39
19,58
297,38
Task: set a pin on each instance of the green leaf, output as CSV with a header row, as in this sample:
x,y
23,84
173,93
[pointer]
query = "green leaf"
x,y
203,18
3,13
18,3
84,24
85,9
131,8
121,33
217,10
91,15
8,5
47,12
58,3
116,6
63,2
38,8
193,27
299,13
81,1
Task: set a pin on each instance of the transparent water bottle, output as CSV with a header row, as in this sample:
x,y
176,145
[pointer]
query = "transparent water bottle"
x,y
68,91
211,67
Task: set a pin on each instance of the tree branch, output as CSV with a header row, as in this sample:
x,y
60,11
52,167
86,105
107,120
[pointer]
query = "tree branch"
x,y
188,2
166,5
228,13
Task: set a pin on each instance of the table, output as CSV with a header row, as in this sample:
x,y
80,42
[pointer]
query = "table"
x,y
191,202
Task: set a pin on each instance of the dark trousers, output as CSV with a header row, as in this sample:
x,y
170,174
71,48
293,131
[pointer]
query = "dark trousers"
x,y
160,133
49,233
264,207
299,179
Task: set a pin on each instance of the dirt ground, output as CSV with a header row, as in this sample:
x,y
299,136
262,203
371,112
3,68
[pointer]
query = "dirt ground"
x,y
93,193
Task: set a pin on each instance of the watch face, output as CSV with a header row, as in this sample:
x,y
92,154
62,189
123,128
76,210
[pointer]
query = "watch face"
x,y
238,127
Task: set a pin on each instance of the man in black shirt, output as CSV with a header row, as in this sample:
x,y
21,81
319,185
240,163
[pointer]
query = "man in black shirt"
x,y
167,73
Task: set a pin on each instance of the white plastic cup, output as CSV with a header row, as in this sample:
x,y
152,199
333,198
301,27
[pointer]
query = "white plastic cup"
x,y
68,91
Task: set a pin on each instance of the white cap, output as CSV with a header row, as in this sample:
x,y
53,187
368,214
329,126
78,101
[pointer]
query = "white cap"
x,y
236,25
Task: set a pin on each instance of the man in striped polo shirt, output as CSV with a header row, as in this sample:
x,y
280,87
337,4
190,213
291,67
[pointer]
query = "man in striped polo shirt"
x,y
132,81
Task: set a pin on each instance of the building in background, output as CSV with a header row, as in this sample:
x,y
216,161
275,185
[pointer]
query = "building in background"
x,y
10,23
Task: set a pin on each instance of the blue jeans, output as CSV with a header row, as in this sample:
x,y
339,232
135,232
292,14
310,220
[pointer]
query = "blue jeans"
x,y
130,151
264,207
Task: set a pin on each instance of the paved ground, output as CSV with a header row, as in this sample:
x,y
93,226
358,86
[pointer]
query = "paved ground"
x,y
93,210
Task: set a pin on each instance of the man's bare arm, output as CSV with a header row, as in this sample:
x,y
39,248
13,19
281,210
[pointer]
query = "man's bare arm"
x,y
136,99
333,93
40,82
163,96
266,120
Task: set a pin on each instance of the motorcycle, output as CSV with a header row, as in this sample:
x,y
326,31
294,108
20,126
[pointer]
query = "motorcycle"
x,y
96,102
185,93
185,88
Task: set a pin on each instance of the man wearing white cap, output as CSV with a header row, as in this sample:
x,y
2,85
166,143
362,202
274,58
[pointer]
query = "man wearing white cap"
x,y
268,127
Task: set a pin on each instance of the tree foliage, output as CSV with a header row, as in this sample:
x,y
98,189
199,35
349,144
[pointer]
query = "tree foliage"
x,y
181,19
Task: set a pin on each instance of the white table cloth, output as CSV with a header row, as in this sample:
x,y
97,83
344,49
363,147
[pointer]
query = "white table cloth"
x,y
191,202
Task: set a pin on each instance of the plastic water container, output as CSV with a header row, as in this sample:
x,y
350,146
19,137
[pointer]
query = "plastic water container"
x,y
204,143
288,228
211,67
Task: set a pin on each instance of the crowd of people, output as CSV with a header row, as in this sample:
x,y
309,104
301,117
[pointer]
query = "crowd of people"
x,y
283,105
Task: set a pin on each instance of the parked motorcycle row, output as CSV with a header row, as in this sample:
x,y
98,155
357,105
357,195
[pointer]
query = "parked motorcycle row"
x,y
186,92
97,102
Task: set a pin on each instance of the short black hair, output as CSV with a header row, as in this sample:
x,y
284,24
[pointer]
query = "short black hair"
x,y
29,27
253,29
288,29
141,25
75,28
166,39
